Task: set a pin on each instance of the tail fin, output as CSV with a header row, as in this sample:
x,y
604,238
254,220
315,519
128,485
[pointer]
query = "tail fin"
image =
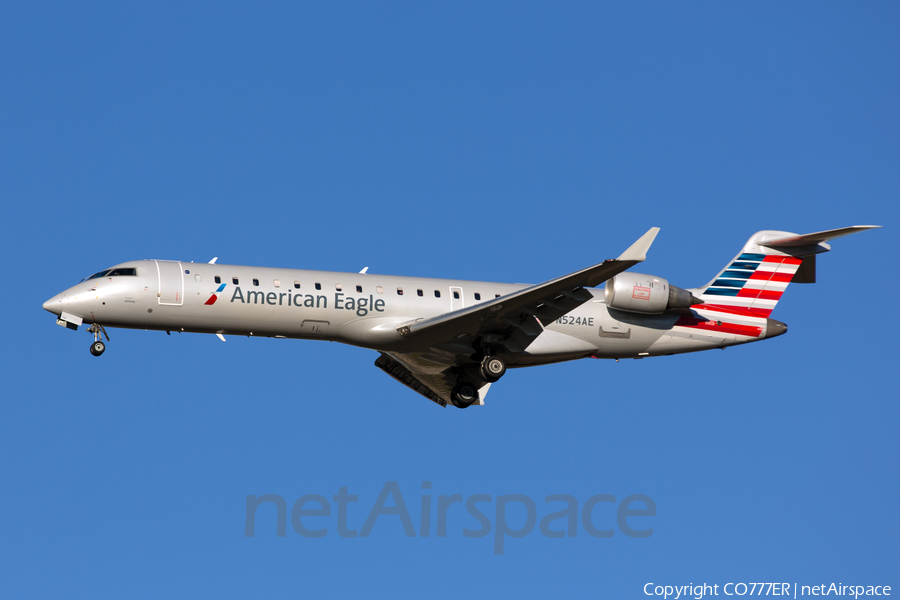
x,y
752,283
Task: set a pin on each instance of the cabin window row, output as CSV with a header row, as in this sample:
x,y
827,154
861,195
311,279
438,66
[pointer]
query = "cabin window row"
x,y
318,286
359,289
437,293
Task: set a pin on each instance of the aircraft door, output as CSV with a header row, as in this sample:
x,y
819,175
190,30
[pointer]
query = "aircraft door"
x,y
171,282
456,298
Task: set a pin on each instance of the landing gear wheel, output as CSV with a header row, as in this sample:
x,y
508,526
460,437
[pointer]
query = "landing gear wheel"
x,y
465,395
492,368
98,346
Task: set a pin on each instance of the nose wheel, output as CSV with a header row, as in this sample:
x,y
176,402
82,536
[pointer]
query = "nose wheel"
x,y
98,347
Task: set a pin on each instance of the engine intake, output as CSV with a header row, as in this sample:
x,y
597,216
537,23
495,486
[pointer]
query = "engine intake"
x,y
639,293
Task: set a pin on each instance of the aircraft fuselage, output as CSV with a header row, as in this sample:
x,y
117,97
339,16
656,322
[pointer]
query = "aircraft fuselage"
x,y
364,310
450,340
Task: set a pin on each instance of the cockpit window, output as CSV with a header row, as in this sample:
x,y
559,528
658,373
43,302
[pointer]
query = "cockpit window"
x,y
114,273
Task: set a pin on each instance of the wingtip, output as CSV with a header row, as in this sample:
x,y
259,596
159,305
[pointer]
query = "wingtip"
x,y
638,250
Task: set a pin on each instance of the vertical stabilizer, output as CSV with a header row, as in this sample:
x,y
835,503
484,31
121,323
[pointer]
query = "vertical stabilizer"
x,y
753,283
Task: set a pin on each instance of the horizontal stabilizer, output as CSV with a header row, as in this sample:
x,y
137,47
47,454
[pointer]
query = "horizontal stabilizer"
x,y
810,239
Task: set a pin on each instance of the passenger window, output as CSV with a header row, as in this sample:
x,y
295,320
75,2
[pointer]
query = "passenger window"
x,y
277,283
496,295
456,295
359,289
379,289
399,291
218,279
477,296
318,286
234,280
296,285
338,287
256,282
419,293
437,293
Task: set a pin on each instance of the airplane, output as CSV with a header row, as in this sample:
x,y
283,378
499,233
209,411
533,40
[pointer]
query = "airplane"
x,y
450,340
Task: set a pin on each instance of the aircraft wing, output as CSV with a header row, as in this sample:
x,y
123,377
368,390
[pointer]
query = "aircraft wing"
x,y
433,380
513,321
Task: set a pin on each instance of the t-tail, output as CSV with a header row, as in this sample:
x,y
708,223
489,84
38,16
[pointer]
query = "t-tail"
x,y
753,283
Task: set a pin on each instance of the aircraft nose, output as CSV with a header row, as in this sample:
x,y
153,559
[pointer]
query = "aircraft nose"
x,y
53,305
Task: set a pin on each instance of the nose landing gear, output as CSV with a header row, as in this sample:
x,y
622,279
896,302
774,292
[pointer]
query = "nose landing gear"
x,y
98,347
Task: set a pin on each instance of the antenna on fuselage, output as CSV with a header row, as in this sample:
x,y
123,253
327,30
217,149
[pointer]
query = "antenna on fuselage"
x,y
363,272
213,261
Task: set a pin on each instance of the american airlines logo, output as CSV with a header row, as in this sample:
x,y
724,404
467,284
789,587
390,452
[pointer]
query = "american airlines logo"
x,y
212,299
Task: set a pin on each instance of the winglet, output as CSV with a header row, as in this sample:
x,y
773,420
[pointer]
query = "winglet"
x,y
638,250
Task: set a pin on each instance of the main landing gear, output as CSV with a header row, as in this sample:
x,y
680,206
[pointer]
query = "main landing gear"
x,y
490,370
465,395
98,347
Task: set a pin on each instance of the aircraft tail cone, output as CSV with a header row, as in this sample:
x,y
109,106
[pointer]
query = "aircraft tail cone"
x,y
775,328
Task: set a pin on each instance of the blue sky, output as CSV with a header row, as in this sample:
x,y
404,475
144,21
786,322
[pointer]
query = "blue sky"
x,y
505,142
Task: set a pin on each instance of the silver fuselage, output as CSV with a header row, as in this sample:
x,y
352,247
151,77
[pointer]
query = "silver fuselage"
x,y
367,309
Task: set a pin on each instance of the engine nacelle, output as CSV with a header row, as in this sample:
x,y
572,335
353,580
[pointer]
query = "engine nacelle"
x,y
639,293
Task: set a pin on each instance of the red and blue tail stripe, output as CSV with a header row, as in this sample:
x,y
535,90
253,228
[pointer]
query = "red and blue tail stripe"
x,y
741,298
751,285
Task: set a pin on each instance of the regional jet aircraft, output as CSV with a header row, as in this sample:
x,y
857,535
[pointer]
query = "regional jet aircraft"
x,y
450,340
